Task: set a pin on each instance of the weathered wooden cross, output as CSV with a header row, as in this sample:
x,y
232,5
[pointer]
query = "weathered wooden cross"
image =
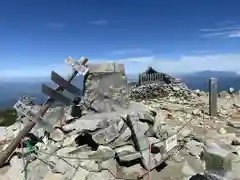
x,y
78,68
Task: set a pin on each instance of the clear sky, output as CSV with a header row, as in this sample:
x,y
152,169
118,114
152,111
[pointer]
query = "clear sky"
x,y
171,35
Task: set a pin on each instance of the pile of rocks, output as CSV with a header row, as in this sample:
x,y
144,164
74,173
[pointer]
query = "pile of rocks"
x,y
104,145
27,100
111,140
117,138
168,86
158,90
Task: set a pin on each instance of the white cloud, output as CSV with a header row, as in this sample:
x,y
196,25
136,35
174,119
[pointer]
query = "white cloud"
x,y
235,27
230,31
184,64
234,35
98,22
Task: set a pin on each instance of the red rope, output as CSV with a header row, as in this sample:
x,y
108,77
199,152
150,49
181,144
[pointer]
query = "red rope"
x,y
149,161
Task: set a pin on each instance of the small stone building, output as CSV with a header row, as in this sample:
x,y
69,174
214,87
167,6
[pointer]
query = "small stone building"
x,y
150,76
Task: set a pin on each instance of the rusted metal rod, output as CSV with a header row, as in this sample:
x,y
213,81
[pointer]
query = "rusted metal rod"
x,y
4,155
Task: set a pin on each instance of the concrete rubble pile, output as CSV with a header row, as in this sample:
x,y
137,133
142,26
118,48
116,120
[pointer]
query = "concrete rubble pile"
x,y
112,138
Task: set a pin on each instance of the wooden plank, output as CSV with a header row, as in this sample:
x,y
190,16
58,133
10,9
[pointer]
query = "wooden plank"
x,y
56,95
57,79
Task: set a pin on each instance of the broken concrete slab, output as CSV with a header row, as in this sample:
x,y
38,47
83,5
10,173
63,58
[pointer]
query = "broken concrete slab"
x,y
217,160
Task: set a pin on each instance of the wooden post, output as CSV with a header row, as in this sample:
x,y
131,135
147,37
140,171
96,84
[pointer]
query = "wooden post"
x,y
4,156
213,97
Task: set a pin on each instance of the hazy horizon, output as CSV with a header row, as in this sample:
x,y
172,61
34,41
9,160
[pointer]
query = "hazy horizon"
x,y
48,78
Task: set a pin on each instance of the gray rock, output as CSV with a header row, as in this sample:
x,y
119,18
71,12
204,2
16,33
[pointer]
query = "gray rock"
x,y
110,165
81,174
3,135
57,135
90,165
166,131
146,117
184,132
196,112
187,170
132,172
125,150
138,135
234,123
54,176
123,139
194,148
222,131
159,122
127,153
103,175
158,90
82,124
103,153
53,117
63,166
107,135
177,158
15,171
130,157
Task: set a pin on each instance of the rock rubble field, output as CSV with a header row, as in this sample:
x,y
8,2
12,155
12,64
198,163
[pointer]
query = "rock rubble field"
x,y
158,131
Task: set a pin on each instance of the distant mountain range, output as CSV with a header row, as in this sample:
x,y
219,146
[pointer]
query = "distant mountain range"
x,y
10,91
199,80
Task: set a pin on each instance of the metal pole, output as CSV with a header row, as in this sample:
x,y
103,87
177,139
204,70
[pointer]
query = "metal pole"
x,y
213,97
4,155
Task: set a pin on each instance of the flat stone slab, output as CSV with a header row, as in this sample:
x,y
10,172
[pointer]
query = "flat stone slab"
x,y
106,68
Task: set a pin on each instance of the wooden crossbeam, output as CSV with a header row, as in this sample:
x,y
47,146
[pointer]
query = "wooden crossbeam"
x,y
57,79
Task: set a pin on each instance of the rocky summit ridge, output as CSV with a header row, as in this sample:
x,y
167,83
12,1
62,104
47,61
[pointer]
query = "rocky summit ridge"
x,y
125,132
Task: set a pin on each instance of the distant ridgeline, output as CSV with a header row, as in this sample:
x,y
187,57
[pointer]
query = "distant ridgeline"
x,y
10,92
199,80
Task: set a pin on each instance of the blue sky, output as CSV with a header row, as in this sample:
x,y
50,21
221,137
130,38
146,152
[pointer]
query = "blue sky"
x,y
171,35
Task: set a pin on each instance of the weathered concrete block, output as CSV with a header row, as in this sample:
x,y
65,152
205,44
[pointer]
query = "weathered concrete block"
x,y
106,68
104,91
217,160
